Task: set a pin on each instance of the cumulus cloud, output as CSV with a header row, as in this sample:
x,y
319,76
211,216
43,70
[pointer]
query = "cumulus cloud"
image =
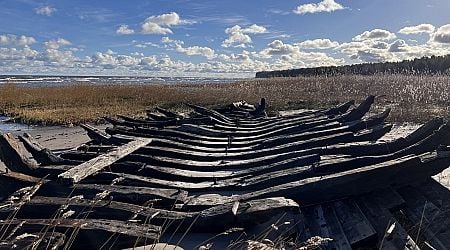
x,y
161,24
442,35
57,43
324,6
418,29
277,47
238,36
14,40
45,10
375,34
318,44
7,54
197,51
124,30
398,46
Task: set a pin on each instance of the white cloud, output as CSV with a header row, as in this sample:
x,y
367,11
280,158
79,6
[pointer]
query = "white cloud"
x,y
398,46
237,36
197,50
170,19
124,30
161,24
105,60
442,35
56,44
375,34
58,58
45,10
418,29
255,29
17,54
277,47
318,44
9,39
324,6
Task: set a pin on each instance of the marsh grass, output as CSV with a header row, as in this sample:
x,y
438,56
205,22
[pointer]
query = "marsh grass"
x,y
413,98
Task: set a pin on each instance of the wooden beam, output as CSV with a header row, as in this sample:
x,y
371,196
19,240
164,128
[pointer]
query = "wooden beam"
x,y
13,154
78,173
113,226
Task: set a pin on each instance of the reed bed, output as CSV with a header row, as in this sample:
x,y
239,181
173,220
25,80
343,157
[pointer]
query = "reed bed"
x,y
413,98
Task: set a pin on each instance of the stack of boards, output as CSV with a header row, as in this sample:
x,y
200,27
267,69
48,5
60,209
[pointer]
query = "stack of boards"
x,y
231,177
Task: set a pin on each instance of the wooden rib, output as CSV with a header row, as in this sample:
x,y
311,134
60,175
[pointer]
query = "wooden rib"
x,y
352,182
78,173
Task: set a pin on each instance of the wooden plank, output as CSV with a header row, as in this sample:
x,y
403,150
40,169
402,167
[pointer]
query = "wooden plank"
x,y
388,198
78,173
43,155
355,225
113,226
35,240
432,222
96,134
340,241
14,155
397,172
382,220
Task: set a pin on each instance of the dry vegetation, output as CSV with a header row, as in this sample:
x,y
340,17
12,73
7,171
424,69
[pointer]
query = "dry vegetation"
x,y
413,98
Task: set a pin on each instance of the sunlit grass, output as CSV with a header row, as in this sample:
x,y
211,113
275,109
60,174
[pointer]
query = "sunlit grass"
x,y
412,98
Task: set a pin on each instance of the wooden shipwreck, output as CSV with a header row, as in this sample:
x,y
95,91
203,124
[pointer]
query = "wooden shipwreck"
x,y
231,177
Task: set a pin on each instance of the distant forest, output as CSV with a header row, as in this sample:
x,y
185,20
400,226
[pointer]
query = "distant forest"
x,y
424,65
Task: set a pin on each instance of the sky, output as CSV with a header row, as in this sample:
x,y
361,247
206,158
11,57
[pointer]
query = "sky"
x,y
232,38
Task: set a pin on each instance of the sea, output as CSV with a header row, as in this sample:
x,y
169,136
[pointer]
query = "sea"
x,y
47,81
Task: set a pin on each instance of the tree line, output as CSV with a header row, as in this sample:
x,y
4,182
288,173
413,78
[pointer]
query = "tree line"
x,y
424,65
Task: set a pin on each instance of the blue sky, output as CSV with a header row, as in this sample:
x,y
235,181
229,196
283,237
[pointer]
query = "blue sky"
x,y
214,38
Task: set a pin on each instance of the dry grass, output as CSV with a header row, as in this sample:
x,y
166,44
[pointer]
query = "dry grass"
x,y
413,98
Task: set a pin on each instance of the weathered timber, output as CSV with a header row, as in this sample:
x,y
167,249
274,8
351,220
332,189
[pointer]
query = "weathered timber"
x,y
78,173
397,172
35,240
388,147
96,134
214,219
323,141
113,226
292,126
168,113
13,154
230,140
340,241
435,224
382,220
41,154
359,111
355,225
171,173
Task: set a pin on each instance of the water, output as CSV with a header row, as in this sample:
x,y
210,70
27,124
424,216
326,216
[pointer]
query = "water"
x,y
44,81
11,126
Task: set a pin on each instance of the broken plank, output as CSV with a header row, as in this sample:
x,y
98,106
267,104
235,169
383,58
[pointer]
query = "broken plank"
x,y
13,154
113,226
43,155
78,173
355,225
335,228
382,220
